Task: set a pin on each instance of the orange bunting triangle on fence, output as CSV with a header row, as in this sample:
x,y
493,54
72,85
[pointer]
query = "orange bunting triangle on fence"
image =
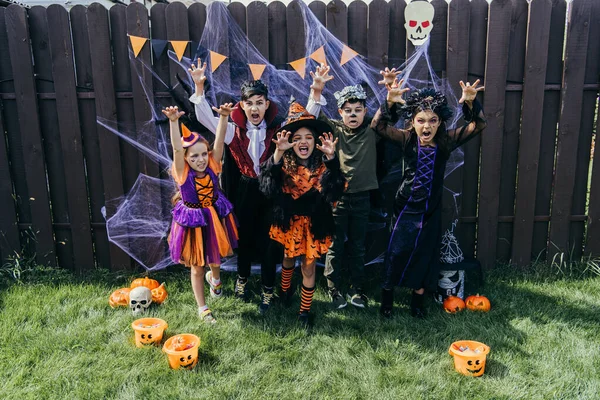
x,y
137,43
299,66
257,70
347,55
319,55
179,47
216,59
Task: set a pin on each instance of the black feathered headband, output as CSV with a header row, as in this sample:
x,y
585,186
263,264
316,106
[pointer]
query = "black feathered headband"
x,y
426,99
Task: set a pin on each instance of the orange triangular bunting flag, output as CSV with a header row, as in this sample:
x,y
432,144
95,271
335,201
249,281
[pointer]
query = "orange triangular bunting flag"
x,y
299,66
257,70
216,59
137,43
319,55
179,47
347,55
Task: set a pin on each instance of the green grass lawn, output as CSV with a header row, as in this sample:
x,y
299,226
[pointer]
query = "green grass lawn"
x,y
60,339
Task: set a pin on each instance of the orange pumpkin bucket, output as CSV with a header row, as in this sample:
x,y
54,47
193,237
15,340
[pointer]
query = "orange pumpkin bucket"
x,y
148,331
469,357
182,350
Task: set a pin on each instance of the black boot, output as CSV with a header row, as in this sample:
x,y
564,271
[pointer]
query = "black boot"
x,y
387,302
416,305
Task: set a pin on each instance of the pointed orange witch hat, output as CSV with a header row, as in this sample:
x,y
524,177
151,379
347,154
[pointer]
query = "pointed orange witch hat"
x,y
189,138
298,118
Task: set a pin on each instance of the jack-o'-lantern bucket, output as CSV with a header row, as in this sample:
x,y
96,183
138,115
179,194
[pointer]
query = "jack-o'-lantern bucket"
x,y
182,350
469,357
148,331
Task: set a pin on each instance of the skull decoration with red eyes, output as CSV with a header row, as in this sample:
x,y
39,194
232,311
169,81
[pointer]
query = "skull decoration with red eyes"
x,y
419,21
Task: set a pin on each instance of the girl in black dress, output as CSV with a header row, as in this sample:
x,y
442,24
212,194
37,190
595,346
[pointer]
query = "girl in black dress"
x,y
412,258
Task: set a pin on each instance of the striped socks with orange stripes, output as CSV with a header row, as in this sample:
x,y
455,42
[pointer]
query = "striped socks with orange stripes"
x,y
306,299
286,278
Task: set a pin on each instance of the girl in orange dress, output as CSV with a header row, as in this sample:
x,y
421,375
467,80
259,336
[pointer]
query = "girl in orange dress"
x,y
303,184
203,228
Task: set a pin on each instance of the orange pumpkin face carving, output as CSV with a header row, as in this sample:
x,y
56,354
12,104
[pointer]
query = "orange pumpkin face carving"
x,y
453,304
159,294
478,303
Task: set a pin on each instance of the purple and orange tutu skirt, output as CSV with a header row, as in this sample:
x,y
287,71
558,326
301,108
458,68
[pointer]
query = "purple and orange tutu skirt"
x,y
200,237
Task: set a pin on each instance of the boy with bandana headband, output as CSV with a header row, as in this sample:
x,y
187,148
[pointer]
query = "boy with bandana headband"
x,y
249,138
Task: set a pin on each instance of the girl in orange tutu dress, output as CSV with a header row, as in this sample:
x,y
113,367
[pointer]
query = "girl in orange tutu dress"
x,y
303,184
203,228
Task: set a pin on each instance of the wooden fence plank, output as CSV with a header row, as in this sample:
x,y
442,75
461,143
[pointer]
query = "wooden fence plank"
x,y
238,46
357,27
9,230
492,140
568,125
378,35
470,191
277,35
337,20
538,34
105,105
141,83
63,69
57,182
20,56
592,243
158,31
238,12
87,115
196,23
295,32
551,108
438,38
457,60
586,131
512,123
397,44
122,83
320,10
258,16
14,175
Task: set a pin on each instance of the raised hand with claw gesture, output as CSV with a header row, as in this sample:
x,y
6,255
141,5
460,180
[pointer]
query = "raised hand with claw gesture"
x,y
469,92
327,145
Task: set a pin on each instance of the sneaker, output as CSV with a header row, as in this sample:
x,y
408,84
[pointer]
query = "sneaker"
x,y
207,316
337,300
304,319
357,298
240,289
265,301
215,290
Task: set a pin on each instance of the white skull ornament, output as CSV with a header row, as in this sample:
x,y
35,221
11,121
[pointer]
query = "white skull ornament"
x,y
140,299
419,21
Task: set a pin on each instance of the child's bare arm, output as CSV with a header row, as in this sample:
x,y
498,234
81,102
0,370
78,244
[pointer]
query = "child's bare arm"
x,y
218,147
320,78
198,76
174,114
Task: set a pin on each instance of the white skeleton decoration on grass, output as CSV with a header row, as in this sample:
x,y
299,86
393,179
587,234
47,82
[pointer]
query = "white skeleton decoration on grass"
x,y
140,299
419,21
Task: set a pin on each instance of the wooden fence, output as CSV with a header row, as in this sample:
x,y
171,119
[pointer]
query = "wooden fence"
x,y
529,186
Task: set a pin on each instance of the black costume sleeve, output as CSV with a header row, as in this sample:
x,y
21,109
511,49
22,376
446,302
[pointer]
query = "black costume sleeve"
x,y
383,124
471,115
270,178
333,182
